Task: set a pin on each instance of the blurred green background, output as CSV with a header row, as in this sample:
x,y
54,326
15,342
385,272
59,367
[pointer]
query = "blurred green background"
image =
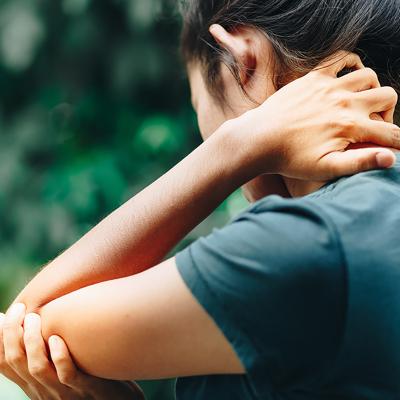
x,y
94,106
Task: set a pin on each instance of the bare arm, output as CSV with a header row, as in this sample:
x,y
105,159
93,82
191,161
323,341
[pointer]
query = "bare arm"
x,y
147,326
140,233
291,134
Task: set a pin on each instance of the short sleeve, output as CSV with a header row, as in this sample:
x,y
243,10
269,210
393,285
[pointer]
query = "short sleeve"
x,y
273,280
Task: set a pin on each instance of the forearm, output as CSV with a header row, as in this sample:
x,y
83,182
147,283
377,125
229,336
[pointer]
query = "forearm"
x,y
140,233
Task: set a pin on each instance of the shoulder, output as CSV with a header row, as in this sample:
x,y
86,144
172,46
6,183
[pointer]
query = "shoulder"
x,y
297,231
273,279
285,244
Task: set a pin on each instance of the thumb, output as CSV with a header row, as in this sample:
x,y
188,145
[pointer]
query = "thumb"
x,y
354,161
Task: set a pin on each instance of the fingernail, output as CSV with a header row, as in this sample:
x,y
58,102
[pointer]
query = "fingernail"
x,y
213,27
16,310
384,160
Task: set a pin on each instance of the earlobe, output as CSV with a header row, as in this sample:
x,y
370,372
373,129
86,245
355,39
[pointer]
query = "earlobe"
x,y
238,45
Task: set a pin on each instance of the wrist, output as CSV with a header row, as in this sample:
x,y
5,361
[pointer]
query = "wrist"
x,y
248,157
217,163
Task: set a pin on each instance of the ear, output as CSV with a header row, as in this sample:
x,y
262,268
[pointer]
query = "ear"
x,y
244,44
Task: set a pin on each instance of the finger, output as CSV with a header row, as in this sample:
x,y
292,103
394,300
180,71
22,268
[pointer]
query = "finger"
x,y
388,115
39,366
66,370
378,100
357,81
379,132
12,336
352,162
4,368
340,61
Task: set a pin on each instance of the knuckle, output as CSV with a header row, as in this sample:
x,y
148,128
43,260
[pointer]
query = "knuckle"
x,y
365,163
371,74
59,358
14,359
354,59
393,95
396,136
68,377
353,166
39,371
334,170
358,164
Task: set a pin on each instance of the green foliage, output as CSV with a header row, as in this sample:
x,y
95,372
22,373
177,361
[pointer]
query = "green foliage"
x,y
94,106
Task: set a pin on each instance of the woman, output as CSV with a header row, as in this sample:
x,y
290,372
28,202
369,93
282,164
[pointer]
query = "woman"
x,y
296,298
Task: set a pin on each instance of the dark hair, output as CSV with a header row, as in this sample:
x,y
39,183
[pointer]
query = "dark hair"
x,y
302,32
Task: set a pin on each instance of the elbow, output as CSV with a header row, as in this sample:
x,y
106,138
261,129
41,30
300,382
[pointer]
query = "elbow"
x,y
63,319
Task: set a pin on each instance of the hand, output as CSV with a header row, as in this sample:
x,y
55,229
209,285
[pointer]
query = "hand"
x,y
313,120
25,361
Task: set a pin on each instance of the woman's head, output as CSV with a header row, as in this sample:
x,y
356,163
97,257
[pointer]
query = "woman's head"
x,y
257,46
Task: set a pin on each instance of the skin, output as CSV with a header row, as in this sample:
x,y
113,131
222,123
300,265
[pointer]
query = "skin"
x,y
50,375
153,325
256,55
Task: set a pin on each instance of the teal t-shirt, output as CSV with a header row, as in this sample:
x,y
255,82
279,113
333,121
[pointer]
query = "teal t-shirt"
x,y
307,291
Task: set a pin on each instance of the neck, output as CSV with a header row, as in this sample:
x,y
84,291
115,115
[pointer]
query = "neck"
x,y
298,188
